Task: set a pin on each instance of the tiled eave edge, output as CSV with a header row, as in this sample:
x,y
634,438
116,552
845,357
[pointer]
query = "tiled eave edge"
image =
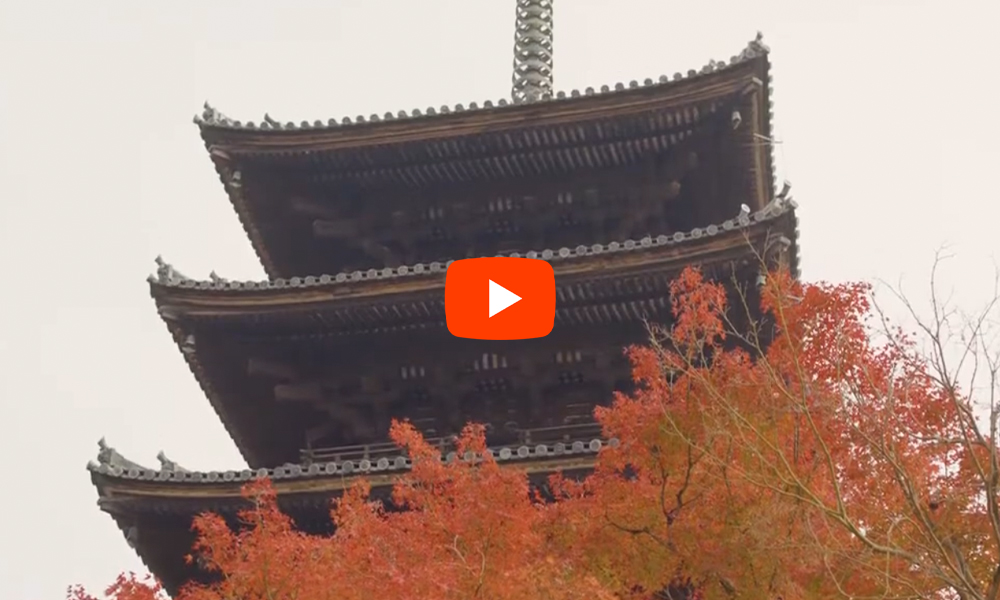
x,y
168,278
224,481
213,123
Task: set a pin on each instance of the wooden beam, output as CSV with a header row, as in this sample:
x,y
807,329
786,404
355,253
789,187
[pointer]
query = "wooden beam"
x,y
761,148
358,232
385,359
467,205
336,228
262,367
533,384
311,391
312,208
351,424
651,188
318,432
532,374
317,393
351,414
381,253
360,425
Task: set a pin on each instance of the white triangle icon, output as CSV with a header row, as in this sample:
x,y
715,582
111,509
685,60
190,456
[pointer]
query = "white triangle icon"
x,y
501,298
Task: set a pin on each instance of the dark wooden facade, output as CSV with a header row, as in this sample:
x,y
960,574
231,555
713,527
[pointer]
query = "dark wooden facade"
x,y
355,223
437,185
318,362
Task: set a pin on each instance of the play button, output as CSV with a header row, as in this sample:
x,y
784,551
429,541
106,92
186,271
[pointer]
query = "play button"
x,y
501,298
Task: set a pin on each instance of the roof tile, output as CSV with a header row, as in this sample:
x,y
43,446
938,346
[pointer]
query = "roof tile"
x,y
343,467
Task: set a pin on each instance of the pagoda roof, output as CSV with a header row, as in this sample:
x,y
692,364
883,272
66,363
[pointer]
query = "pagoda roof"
x,y
612,127
618,284
154,507
218,127
322,476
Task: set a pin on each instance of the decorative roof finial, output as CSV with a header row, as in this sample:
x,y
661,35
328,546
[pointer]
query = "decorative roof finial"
x,y
168,465
111,457
755,48
211,116
532,79
166,274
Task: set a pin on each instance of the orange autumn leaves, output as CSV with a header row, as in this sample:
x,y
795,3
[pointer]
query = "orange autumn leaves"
x,y
481,533
802,457
128,586
468,531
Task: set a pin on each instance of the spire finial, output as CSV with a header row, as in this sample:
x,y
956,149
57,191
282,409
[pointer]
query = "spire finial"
x,y
532,79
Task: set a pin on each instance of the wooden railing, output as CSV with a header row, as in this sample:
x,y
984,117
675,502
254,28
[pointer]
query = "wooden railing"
x,y
560,433
541,435
364,451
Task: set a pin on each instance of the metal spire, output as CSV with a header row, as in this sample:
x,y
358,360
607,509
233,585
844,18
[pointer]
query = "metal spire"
x,y
532,79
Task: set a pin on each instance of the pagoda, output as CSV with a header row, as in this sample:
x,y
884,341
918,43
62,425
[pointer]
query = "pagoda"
x,y
355,222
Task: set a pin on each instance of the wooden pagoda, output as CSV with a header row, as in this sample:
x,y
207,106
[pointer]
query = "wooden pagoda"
x,y
355,222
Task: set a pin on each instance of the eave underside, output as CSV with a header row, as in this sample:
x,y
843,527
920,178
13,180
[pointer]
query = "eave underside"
x,y
276,178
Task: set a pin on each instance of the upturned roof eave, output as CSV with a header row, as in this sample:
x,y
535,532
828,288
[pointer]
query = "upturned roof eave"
x,y
715,79
114,484
130,498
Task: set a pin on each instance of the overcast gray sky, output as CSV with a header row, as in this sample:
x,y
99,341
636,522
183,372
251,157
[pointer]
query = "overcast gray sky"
x,y
888,114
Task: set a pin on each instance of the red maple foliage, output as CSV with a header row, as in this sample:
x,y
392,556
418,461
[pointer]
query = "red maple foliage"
x,y
128,586
809,455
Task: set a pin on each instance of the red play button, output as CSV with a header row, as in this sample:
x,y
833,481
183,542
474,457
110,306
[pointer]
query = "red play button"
x,y
500,298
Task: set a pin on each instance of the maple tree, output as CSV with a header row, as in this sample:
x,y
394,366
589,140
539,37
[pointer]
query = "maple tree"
x,y
817,452
814,452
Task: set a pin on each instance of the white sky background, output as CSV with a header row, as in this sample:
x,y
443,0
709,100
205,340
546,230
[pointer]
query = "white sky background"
x,y
888,113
